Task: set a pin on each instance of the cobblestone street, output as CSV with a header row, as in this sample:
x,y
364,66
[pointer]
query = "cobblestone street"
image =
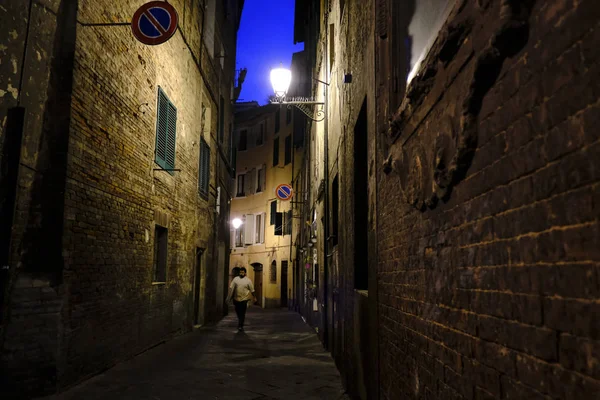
x,y
277,357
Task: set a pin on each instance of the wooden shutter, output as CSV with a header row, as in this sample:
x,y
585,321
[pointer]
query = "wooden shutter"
x,y
247,184
263,177
171,136
204,169
273,211
161,129
262,233
249,229
251,181
288,222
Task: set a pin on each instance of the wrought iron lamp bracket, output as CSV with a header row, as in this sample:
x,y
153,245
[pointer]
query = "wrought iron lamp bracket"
x,y
306,107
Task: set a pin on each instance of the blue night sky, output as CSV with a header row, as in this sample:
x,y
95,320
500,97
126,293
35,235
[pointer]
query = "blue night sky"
x,y
265,38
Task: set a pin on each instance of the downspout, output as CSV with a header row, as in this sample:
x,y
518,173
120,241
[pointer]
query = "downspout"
x,y
292,209
326,191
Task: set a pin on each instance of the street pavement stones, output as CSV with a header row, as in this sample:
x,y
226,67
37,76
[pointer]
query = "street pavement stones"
x,y
277,357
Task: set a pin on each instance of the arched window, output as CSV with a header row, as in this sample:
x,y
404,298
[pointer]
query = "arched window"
x,y
273,272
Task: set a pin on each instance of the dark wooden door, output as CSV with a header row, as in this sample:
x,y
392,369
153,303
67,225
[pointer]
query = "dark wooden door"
x,y
284,283
197,281
258,279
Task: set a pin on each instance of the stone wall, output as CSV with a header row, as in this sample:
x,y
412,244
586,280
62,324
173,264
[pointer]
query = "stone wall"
x,y
82,295
488,210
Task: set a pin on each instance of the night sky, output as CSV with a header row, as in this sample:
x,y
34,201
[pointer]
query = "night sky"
x,y
265,38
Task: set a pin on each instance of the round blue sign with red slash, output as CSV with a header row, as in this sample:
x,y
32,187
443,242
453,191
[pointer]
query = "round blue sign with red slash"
x,y
154,23
284,192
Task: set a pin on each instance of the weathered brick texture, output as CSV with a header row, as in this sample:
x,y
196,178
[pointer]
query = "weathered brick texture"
x,y
82,296
493,292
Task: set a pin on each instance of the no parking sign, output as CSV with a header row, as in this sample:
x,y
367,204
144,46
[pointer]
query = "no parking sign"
x,y
284,192
154,22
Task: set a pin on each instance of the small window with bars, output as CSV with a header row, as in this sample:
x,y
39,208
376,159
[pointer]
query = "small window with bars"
x,y
160,254
166,132
204,169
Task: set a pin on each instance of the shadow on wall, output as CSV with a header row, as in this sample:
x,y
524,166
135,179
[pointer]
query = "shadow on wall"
x,y
41,248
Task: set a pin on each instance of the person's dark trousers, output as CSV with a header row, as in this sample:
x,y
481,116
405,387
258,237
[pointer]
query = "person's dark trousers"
x,y
240,310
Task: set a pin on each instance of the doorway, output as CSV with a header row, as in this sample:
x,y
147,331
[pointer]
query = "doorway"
x,y
258,282
361,205
284,283
197,285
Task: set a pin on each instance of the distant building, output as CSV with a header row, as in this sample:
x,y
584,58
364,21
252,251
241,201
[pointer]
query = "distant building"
x,y
263,140
240,106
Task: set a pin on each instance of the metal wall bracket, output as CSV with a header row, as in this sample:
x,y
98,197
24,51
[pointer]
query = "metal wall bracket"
x,y
306,110
306,107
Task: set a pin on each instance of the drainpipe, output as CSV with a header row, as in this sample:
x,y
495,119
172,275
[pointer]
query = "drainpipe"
x,y
292,209
326,192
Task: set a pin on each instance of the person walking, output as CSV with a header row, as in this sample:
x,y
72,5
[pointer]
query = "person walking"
x,y
241,291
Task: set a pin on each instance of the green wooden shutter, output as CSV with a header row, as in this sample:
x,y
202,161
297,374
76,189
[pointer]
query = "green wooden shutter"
x,y
171,136
166,132
204,169
161,129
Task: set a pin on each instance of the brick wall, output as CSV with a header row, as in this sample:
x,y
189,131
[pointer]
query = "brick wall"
x,y
488,280
113,193
82,297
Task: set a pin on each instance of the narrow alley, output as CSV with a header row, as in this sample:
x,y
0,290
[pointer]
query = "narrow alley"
x,y
406,191
277,357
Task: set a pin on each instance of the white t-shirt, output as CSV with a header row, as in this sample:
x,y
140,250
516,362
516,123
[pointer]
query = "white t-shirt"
x,y
242,288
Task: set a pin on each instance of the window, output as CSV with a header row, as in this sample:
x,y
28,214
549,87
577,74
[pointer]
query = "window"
x,y
260,138
240,185
277,120
335,194
209,32
288,116
276,152
278,224
160,254
273,272
287,230
273,211
248,228
250,182
288,150
331,45
166,129
260,179
221,120
204,169
239,237
243,145
259,235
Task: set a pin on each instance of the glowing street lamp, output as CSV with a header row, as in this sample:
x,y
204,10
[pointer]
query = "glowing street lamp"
x,y
236,223
280,80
